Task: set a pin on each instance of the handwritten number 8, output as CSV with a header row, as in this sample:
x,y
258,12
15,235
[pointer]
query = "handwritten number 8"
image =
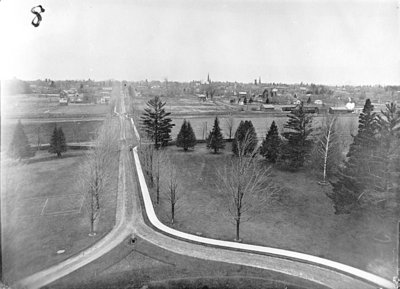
x,y
38,17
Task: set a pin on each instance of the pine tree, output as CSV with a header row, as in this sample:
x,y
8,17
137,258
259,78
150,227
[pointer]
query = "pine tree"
x,y
19,147
271,145
355,177
346,191
245,133
57,142
215,140
186,138
364,144
156,122
298,145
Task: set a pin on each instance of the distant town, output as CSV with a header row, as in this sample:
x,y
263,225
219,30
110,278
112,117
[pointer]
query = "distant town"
x,y
255,96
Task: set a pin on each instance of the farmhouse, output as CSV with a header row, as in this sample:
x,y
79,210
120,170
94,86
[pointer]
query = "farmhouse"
x,y
201,97
63,101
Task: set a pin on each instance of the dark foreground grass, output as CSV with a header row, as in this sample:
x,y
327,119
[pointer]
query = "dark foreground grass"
x,y
300,218
144,265
43,212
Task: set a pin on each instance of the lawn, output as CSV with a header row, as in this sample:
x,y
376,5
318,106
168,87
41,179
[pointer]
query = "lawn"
x,y
44,212
300,218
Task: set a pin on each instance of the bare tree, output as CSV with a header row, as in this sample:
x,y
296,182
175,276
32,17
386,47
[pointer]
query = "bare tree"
x,y
96,172
170,181
230,123
328,153
159,159
245,184
205,130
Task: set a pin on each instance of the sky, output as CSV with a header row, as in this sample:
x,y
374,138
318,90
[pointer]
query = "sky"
x,y
326,41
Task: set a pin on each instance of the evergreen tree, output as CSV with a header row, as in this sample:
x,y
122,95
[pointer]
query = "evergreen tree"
x,y
355,177
387,153
186,137
19,147
271,145
389,121
245,133
215,140
346,191
57,142
157,123
362,149
298,145
309,100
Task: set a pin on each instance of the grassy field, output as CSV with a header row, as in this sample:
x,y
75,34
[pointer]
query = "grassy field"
x,y
182,105
301,218
43,212
40,132
35,106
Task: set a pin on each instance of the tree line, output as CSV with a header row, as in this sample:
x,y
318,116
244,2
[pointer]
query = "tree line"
x,y
20,148
372,162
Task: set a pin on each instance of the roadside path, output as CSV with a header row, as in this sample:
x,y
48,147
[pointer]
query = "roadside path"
x,y
121,230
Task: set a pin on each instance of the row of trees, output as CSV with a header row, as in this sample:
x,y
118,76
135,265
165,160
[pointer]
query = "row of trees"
x,y
96,172
20,148
371,163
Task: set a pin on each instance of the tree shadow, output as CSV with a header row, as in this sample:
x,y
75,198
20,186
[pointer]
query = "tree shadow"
x,y
54,157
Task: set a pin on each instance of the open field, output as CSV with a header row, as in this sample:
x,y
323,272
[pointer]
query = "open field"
x,y
183,105
301,218
43,211
40,132
47,106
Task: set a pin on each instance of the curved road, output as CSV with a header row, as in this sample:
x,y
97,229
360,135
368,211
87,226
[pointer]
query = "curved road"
x,y
318,270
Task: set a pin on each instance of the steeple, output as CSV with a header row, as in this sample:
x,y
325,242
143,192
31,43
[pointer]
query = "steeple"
x,y
208,78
